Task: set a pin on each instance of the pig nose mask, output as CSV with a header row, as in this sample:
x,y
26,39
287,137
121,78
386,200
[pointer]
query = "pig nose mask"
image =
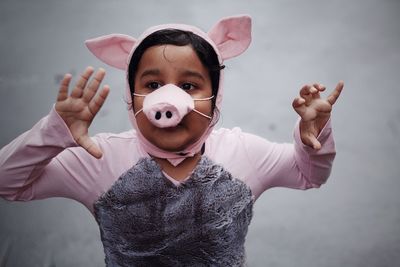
x,y
167,105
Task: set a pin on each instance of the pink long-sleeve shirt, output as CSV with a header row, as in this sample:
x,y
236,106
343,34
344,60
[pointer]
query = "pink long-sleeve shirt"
x,y
46,162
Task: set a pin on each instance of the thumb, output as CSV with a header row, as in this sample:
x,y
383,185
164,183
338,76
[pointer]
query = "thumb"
x,y
311,141
87,143
315,143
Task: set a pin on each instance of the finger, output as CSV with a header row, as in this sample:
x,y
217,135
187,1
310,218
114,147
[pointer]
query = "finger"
x,y
87,143
98,101
81,83
307,92
94,85
336,93
320,87
298,105
298,101
314,142
315,90
63,91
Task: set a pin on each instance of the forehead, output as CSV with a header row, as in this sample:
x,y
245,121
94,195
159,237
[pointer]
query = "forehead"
x,y
171,56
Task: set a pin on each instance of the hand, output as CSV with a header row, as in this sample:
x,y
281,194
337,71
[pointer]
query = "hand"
x,y
79,109
314,111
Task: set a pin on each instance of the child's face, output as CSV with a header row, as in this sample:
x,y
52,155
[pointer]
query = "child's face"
x,y
178,65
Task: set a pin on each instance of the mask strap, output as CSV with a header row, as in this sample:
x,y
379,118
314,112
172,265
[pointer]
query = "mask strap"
x,y
140,110
137,112
138,95
203,99
202,114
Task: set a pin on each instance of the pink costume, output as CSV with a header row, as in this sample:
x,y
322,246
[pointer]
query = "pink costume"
x,y
46,162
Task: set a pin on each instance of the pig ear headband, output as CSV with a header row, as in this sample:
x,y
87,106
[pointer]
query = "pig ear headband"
x,y
229,37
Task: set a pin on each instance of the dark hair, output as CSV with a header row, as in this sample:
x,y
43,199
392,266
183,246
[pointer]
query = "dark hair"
x,y
203,49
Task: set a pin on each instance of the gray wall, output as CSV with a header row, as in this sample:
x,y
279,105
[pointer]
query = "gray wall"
x,y
354,220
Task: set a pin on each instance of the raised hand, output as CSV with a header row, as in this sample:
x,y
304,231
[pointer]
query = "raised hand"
x,y
314,111
80,107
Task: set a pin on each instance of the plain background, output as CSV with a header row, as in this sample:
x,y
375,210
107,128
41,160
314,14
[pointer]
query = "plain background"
x,y
354,220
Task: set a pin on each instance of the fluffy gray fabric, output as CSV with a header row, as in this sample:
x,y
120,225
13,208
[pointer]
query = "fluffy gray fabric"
x,y
145,220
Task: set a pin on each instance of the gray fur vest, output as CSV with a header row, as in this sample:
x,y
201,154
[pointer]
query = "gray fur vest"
x,y
145,220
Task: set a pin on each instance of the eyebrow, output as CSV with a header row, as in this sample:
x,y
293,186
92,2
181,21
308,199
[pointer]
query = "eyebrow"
x,y
150,72
191,73
186,73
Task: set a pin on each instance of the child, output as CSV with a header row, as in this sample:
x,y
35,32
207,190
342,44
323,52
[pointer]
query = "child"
x,y
173,191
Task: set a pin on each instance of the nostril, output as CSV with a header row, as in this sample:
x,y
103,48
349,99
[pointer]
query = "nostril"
x,y
168,114
158,115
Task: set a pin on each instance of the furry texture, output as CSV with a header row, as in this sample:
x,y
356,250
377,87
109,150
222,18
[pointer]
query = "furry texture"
x,y
145,220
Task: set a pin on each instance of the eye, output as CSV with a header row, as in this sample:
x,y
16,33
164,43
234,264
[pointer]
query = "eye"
x,y
188,86
153,85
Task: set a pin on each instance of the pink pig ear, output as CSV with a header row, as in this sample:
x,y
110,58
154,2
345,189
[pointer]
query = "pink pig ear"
x,y
232,35
112,49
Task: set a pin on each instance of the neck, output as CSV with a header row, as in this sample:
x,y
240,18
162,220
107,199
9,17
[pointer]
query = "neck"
x,y
181,171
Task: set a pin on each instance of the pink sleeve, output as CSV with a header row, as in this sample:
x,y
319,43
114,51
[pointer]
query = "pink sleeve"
x,y
37,164
290,165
